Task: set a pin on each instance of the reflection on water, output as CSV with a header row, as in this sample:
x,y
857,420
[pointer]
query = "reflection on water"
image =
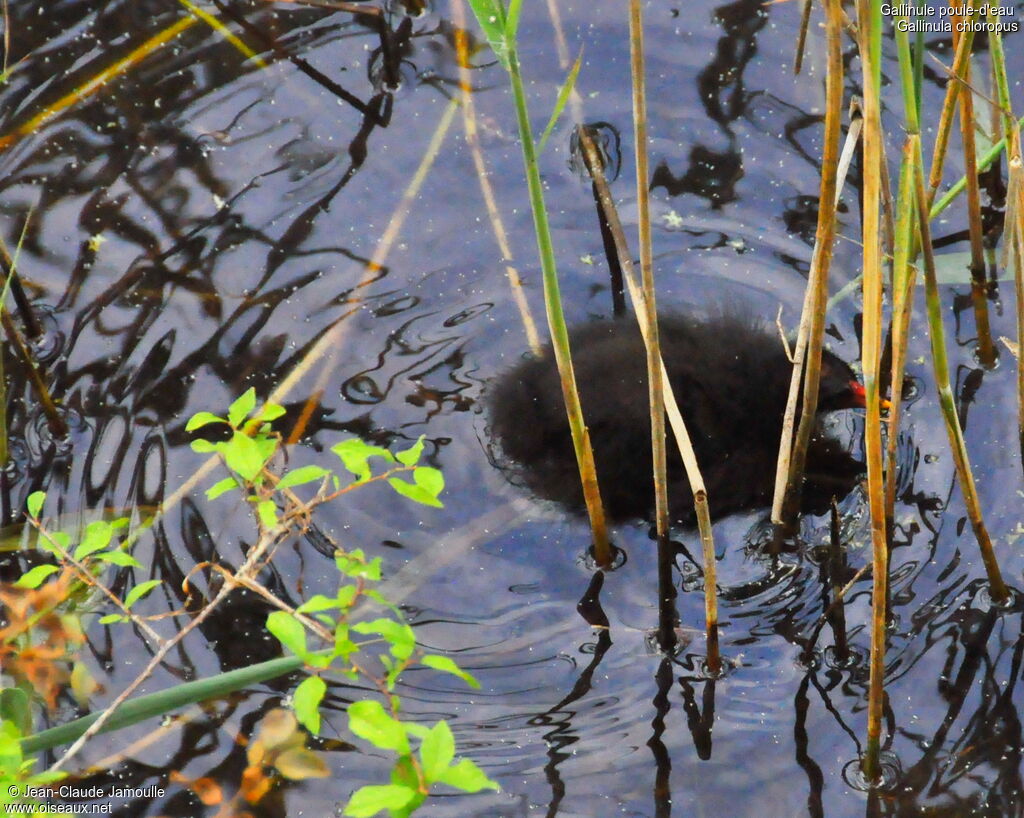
x,y
198,222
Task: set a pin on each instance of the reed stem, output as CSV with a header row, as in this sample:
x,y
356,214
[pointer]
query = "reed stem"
x,y
869,41
998,587
675,418
11,280
54,420
817,283
655,386
556,318
960,61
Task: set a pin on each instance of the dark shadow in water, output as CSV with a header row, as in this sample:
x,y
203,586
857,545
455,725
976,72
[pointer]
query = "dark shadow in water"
x,y
700,720
564,735
815,777
662,757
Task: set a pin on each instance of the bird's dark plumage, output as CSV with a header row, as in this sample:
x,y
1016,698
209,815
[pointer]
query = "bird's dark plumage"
x,y
731,380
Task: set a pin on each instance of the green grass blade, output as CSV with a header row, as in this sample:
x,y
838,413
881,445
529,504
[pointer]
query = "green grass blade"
x,y
515,7
164,701
490,15
563,97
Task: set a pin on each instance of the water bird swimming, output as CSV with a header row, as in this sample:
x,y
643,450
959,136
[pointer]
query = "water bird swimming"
x,y
730,378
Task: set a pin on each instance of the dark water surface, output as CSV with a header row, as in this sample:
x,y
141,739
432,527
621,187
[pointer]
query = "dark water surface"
x,y
239,205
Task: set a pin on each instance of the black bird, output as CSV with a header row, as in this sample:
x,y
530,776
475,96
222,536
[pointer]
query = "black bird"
x,y
731,379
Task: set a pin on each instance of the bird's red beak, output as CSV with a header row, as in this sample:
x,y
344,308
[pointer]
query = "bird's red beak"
x,y
860,397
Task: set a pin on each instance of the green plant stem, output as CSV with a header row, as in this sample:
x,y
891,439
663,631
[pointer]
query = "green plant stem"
x,y
956,439
1002,83
556,319
960,61
869,30
161,703
904,273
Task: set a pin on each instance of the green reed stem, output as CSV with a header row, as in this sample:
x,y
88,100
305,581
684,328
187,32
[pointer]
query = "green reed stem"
x,y
556,320
1002,83
986,159
904,276
956,439
157,704
869,35
500,28
1014,238
1013,229
960,61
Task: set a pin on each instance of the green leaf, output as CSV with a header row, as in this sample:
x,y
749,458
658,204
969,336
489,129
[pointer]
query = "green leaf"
x,y
34,504
437,751
110,619
368,720
354,453
428,483
380,599
10,751
243,455
267,446
15,707
289,632
368,801
563,97
200,419
404,771
430,479
35,577
271,411
399,635
317,603
139,591
205,446
491,19
404,774
354,565
61,538
267,511
300,476
240,409
467,777
512,19
411,456
346,596
97,537
446,665
319,660
306,700
344,647
119,558
221,487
